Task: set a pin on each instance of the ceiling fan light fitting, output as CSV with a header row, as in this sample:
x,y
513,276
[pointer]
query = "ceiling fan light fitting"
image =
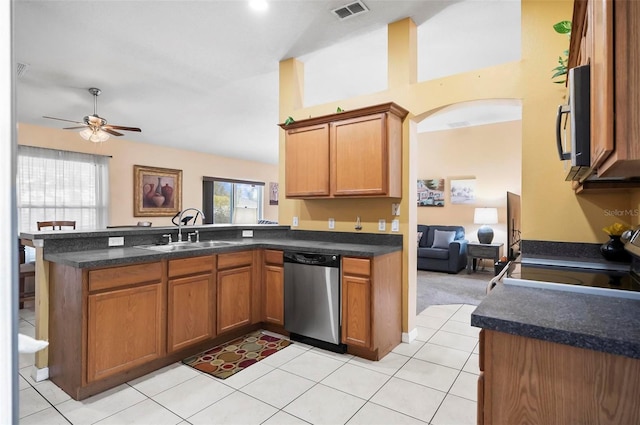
x,y
94,135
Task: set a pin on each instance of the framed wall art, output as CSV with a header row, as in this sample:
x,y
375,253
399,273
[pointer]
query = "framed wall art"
x,y
463,191
431,193
273,193
157,192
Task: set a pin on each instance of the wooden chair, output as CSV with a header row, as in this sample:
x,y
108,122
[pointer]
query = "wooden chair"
x,y
29,269
59,224
26,270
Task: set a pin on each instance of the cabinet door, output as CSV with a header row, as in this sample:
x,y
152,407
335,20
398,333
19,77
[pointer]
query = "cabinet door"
x,y
359,156
234,298
274,294
307,161
191,307
356,311
600,31
125,330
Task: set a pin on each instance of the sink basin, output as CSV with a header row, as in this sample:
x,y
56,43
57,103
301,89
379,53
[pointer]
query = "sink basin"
x,y
183,246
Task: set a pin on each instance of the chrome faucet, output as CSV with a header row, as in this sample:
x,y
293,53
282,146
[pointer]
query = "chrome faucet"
x,y
180,220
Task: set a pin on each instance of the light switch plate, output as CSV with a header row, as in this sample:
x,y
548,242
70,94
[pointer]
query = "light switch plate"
x,y
395,209
116,241
382,225
247,233
332,223
395,225
295,222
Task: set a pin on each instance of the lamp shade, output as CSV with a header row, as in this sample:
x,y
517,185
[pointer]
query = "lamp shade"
x,y
94,135
485,216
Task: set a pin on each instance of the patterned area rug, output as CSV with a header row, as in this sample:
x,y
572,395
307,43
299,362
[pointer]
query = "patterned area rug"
x,y
233,356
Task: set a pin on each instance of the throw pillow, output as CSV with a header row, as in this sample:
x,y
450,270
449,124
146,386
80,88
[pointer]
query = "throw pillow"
x,y
442,239
419,237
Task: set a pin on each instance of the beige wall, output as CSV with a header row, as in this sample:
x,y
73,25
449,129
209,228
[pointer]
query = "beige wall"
x,y
491,154
125,154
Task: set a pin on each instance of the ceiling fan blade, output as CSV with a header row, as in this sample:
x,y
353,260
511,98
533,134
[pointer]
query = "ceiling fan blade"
x,y
62,119
108,130
75,128
120,127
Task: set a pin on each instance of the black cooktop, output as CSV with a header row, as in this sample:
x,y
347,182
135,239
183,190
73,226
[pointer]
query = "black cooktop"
x,y
609,279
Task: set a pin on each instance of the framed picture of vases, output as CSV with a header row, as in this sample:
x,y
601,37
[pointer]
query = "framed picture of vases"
x,y
157,192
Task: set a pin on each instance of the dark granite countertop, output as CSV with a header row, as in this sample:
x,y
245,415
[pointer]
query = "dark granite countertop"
x,y
128,255
600,323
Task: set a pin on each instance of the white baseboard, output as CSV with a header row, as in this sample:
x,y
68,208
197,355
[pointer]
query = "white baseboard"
x,y
410,336
40,374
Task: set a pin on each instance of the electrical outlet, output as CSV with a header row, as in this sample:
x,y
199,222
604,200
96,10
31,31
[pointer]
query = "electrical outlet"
x,y
395,225
116,241
247,233
382,225
295,222
395,209
332,223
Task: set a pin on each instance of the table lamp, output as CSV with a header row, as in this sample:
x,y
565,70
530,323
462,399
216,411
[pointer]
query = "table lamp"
x,y
485,216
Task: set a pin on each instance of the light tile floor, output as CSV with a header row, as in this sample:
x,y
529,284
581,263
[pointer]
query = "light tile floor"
x,y
432,380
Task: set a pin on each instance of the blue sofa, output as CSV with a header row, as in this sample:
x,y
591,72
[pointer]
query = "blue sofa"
x,y
447,256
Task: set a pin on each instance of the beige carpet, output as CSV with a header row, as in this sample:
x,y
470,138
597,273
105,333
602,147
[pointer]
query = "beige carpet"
x,y
435,288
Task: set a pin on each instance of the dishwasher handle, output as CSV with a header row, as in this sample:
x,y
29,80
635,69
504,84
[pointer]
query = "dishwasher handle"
x,y
310,259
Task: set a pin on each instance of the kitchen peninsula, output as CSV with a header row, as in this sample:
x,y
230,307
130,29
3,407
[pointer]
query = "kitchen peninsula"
x,y
554,356
115,313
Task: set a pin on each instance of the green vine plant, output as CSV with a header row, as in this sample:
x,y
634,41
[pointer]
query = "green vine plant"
x,y
562,27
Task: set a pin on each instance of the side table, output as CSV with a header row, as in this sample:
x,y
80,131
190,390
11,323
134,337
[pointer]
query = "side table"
x,y
482,250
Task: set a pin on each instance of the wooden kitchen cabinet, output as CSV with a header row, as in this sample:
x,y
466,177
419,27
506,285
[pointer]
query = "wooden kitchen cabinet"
x,y
273,291
605,35
307,161
125,326
191,301
526,380
372,304
349,154
234,290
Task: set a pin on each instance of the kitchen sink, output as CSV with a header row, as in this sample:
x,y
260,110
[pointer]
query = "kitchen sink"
x,y
183,246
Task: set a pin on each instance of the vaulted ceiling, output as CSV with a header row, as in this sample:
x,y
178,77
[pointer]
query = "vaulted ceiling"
x,y
198,75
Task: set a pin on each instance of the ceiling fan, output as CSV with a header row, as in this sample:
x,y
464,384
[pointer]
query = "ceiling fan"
x,y
95,128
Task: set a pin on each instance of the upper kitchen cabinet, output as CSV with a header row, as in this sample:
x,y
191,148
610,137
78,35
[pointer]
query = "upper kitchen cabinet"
x,y
605,35
349,154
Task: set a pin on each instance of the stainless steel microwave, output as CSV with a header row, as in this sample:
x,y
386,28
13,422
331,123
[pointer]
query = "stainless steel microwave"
x,y
578,113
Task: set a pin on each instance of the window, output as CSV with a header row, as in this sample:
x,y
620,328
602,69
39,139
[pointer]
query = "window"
x,y
229,201
60,185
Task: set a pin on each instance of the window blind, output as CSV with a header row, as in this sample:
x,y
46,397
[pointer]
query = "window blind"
x,y
60,185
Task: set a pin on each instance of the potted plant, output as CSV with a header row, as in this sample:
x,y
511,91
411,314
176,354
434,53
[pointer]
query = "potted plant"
x,y
562,27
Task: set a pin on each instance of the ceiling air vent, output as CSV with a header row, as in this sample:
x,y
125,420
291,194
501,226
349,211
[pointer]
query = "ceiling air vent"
x,y
22,69
352,9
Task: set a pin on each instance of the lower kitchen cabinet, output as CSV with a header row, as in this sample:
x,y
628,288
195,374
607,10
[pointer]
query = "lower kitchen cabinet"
x,y
124,329
234,290
191,302
526,380
273,291
372,304
102,323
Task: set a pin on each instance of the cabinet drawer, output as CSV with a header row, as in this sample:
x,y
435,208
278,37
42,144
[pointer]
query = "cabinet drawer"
x,y
126,275
483,251
358,266
187,266
235,259
272,256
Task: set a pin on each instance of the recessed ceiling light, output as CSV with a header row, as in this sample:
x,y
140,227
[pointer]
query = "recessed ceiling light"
x,y
259,4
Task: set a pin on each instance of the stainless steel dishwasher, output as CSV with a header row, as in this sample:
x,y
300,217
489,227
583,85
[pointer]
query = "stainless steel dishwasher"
x,y
312,294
